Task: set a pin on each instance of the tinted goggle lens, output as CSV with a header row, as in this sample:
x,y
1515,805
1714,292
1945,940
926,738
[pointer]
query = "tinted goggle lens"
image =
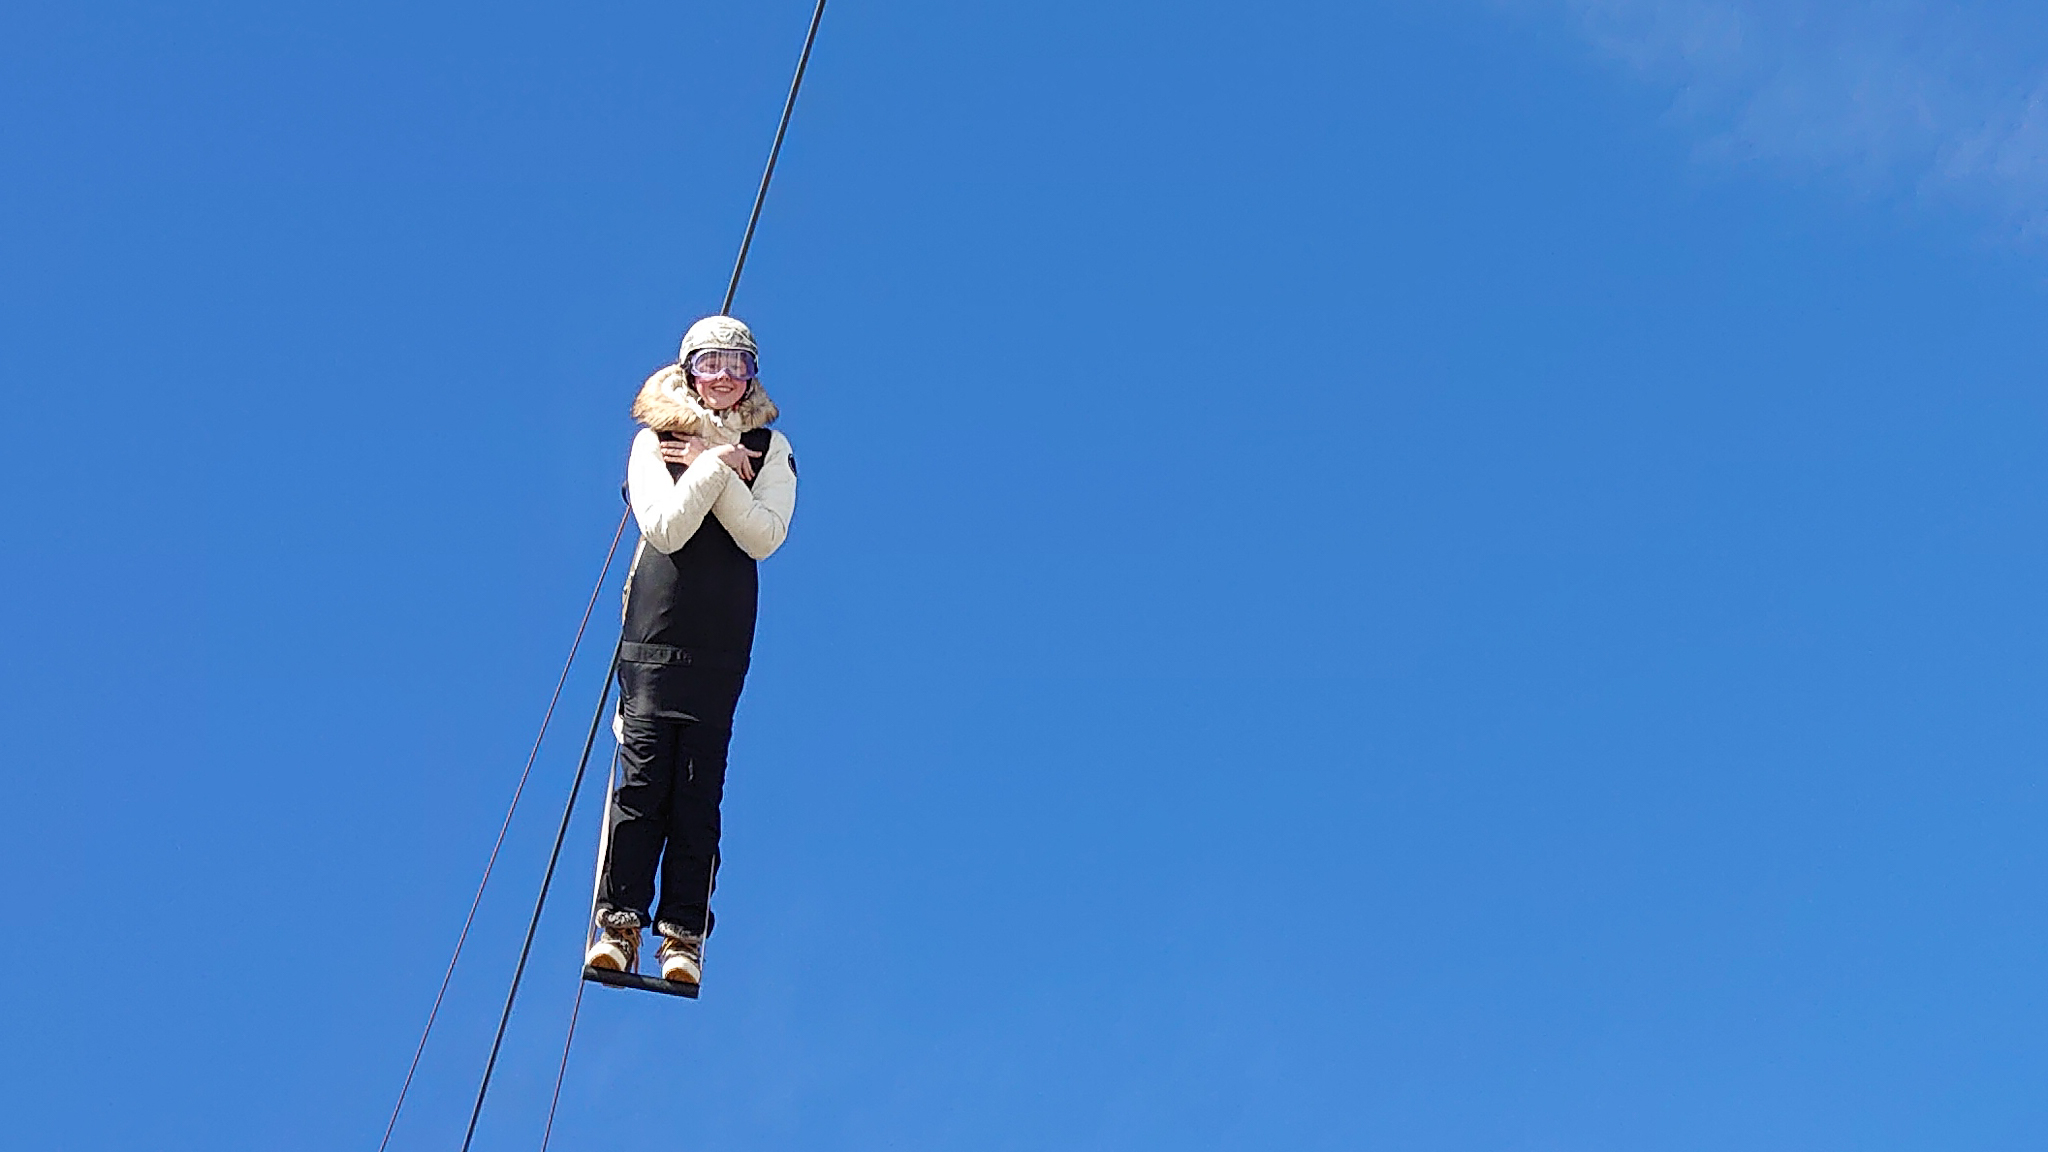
x,y
723,362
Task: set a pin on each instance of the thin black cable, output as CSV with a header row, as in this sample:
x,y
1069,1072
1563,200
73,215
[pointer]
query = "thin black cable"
x,y
547,881
555,1101
463,936
604,841
761,197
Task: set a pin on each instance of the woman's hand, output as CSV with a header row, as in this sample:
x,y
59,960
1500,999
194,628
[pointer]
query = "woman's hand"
x,y
737,457
684,451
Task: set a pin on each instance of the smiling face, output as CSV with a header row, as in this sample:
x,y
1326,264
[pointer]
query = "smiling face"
x,y
721,376
720,392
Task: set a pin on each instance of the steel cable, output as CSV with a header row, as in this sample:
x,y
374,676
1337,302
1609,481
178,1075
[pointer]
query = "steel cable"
x,y
803,61
547,881
575,1010
462,937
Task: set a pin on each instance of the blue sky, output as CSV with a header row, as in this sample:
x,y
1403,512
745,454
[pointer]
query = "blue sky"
x,y
1948,101
1423,576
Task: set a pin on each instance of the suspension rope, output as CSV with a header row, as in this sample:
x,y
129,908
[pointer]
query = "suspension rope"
x,y
604,840
546,882
803,61
462,937
547,1134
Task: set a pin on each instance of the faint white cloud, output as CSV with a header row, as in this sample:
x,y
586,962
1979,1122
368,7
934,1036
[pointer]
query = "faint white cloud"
x,y
1946,101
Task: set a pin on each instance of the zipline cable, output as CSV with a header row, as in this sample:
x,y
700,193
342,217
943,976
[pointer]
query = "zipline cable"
x,y
462,937
547,881
597,719
803,61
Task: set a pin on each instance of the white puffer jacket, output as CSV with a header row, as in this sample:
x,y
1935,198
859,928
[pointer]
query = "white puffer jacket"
x,y
671,510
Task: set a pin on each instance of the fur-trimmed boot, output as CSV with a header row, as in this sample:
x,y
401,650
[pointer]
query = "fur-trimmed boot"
x,y
618,944
682,954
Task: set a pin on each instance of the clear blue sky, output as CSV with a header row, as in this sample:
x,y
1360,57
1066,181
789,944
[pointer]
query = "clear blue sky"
x,y
1404,575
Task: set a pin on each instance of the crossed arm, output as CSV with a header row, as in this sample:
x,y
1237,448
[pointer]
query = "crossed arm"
x,y
670,511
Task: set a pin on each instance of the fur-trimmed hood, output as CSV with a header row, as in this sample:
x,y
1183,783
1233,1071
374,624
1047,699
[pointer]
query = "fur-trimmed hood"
x,y
666,404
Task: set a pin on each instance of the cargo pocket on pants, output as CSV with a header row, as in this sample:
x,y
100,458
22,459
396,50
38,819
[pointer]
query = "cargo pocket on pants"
x,y
654,681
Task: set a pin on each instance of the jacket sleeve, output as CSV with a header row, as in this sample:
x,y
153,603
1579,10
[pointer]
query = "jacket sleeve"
x,y
758,518
669,511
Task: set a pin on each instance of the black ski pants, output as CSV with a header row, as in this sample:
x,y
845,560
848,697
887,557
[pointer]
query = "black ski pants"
x,y
665,811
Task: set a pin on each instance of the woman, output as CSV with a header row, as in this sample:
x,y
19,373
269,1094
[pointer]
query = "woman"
x,y
713,490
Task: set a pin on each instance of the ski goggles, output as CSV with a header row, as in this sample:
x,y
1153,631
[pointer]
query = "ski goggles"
x,y
722,362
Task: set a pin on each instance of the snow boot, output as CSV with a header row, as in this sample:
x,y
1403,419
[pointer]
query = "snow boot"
x,y
618,945
682,955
